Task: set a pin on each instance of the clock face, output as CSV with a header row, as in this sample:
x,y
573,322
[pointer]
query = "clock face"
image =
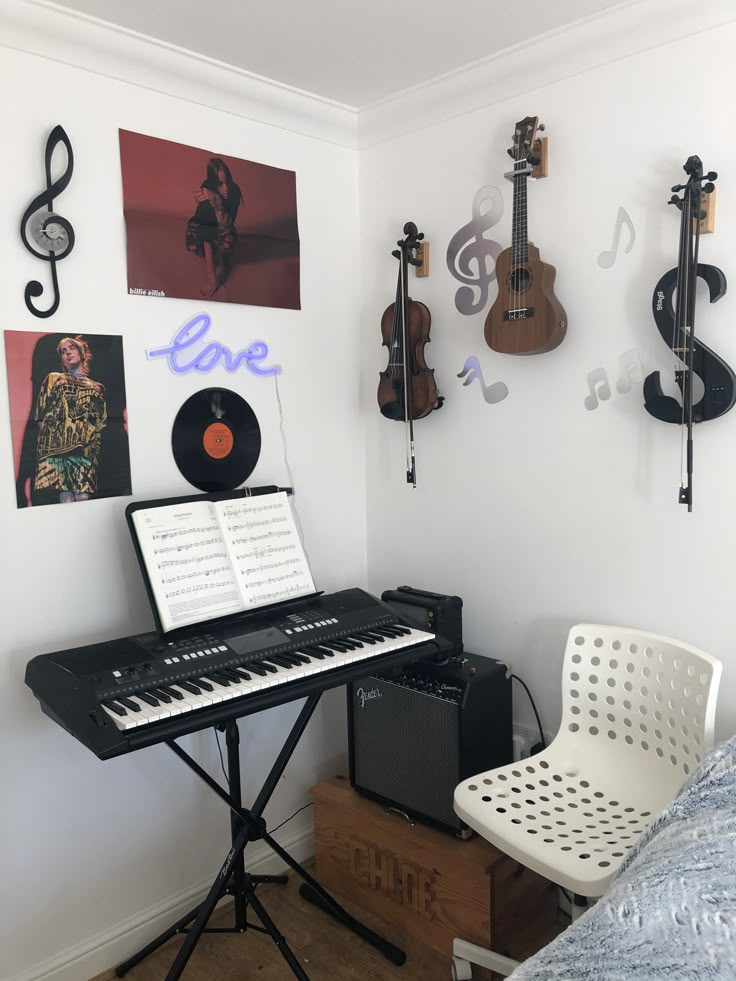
x,y
48,232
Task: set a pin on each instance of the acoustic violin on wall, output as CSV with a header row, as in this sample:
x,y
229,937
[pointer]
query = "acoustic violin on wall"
x,y
407,389
526,317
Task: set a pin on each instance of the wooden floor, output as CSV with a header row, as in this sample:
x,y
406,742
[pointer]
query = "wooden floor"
x,y
326,951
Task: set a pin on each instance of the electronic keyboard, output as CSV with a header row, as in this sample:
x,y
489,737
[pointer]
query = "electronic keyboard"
x,y
125,694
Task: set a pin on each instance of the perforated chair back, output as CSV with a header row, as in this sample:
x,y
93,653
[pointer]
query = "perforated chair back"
x,y
638,714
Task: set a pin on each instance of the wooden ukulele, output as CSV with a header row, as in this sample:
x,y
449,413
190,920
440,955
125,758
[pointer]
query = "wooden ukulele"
x,y
526,317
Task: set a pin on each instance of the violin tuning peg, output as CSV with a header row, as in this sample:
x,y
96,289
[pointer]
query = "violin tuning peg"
x,y
510,152
711,175
542,127
709,187
534,161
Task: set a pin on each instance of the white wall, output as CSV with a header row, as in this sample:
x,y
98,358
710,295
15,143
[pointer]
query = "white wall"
x,y
91,850
541,514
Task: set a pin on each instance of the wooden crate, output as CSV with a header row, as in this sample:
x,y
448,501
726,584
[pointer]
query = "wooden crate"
x,y
430,883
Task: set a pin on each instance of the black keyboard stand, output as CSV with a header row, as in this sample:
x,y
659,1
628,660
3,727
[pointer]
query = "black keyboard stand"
x,y
233,880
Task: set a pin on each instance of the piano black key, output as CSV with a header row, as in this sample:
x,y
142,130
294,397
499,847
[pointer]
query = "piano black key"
x,y
219,679
130,705
190,687
114,707
204,685
161,695
350,644
243,674
390,631
257,669
366,638
232,675
354,641
335,646
297,657
324,650
281,659
316,652
148,699
173,692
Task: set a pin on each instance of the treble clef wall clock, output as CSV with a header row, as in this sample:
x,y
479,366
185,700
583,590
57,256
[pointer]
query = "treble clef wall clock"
x,y
50,232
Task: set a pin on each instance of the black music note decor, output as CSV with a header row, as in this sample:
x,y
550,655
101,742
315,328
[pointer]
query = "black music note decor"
x,y
469,251
49,231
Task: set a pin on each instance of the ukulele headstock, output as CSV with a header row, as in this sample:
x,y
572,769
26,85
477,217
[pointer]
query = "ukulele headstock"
x,y
525,133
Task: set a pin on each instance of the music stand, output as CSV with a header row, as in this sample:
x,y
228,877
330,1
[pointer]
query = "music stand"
x,y
247,825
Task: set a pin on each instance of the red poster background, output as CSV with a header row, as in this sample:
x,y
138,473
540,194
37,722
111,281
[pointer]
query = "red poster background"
x,y
159,181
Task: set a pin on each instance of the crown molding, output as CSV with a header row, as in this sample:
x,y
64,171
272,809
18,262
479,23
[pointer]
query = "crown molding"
x,y
47,30
629,28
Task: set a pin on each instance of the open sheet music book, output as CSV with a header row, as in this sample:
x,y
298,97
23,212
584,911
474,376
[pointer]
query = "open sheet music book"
x,y
208,559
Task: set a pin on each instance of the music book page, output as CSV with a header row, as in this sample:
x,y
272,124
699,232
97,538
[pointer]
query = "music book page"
x,y
206,560
188,564
265,549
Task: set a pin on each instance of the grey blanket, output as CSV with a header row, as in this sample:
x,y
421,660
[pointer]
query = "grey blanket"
x,y
670,912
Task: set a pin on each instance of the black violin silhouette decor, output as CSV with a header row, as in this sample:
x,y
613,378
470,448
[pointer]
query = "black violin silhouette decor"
x,y
676,323
52,233
407,389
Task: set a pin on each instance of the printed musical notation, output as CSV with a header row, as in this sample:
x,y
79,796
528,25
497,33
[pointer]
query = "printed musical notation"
x,y
189,545
471,258
209,559
160,536
194,559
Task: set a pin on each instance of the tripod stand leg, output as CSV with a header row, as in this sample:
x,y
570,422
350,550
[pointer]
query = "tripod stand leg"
x,y
123,968
207,906
278,939
313,892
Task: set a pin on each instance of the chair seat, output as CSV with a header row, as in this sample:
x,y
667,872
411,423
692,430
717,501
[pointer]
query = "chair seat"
x,y
562,819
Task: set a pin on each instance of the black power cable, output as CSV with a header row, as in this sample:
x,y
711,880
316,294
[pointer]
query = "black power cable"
x,y
542,740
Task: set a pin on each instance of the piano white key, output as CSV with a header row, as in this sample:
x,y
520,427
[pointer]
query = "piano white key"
x,y
121,721
146,714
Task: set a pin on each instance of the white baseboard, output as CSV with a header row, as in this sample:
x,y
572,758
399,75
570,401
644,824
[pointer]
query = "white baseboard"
x,y
109,947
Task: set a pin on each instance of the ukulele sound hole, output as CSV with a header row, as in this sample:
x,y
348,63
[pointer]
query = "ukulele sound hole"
x,y
520,280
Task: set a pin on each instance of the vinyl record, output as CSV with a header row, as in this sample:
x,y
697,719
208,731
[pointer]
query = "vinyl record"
x,y
216,439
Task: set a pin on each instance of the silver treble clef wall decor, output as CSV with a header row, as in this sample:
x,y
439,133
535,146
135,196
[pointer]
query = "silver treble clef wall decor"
x,y
52,233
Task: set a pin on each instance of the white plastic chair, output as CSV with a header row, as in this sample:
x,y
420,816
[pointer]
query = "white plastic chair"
x,y
638,712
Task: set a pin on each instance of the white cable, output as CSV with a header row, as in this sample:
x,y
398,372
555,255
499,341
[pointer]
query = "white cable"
x,y
288,469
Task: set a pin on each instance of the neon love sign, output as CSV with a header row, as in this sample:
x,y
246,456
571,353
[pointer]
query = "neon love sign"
x,y
213,353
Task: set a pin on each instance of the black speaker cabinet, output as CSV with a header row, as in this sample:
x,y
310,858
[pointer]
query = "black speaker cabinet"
x,y
415,734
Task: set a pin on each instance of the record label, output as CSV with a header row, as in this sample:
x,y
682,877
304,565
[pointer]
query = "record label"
x,y
216,440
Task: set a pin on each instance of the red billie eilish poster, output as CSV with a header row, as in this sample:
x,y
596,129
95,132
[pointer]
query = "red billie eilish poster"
x,y
68,417
203,224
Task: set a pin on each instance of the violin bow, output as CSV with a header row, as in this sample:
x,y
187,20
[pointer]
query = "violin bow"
x,y
405,256
690,206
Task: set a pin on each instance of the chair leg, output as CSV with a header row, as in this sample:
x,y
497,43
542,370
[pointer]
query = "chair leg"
x,y
472,953
579,906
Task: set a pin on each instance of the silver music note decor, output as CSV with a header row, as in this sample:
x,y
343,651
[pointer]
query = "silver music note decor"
x,y
606,259
471,258
496,392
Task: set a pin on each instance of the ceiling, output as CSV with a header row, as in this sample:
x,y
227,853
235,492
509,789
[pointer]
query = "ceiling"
x,y
351,51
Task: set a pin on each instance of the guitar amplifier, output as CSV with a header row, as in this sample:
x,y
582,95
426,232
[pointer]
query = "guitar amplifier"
x,y
416,733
